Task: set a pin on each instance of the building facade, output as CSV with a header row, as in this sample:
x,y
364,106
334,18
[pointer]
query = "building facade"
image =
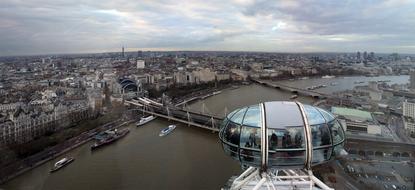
x,y
408,109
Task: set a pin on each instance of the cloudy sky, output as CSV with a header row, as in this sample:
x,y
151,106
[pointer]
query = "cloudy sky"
x,y
72,26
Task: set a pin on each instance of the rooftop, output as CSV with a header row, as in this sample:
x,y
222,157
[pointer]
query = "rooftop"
x,y
353,114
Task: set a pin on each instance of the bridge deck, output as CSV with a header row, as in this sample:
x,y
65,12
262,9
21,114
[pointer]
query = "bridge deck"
x,y
292,89
183,121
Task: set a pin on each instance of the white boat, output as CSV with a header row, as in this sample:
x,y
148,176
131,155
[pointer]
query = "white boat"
x,y
294,96
145,120
328,77
61,163
167,130
217,92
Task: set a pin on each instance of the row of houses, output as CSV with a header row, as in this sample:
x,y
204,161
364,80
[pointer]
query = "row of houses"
x,y
24,123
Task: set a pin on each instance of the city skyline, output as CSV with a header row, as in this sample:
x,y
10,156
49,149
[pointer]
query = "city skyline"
x,y
62,27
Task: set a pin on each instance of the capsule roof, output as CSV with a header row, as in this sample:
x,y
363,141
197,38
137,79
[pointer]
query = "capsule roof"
x,y
279,115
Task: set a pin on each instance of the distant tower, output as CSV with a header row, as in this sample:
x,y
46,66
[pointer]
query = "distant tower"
x,y
372,56
358,55
123,54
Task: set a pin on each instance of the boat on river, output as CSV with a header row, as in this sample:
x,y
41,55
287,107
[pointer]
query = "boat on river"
x,y
316,87
217,92
328,77
145,120
294,97
110,137
167,130
61,163
211,94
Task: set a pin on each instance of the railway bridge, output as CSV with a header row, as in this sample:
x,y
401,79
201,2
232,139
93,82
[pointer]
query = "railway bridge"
x,y
192,118
292,89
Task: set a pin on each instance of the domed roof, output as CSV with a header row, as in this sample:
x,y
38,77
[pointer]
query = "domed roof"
x,y
291,127
128,85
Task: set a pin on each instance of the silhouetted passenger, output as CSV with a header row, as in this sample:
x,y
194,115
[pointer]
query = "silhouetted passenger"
x,y
253,139
298,140
325,135
273,144
325,140
284,141
289,142
234,138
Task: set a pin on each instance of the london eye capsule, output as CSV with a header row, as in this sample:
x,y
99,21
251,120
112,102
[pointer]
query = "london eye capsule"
x,y
281,134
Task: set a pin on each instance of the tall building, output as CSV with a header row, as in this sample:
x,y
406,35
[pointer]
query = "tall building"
x,y
409,113
123,55
141,64
372,56
373,85
408,109
412,80
358,56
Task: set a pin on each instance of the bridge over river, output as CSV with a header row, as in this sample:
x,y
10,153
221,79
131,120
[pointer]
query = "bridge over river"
x,y
292,89
212,122
191,118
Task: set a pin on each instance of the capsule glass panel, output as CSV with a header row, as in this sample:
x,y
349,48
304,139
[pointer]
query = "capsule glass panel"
x,y
253,117
286,146
231,137
250,146
238,116
241,134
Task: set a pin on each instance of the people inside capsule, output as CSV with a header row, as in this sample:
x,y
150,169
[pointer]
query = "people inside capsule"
x,y
298,140
232,135
282,144
250,141
286,144
273,141
254,141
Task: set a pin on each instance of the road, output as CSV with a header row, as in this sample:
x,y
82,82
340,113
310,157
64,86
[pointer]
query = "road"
x,y
396,124
344,181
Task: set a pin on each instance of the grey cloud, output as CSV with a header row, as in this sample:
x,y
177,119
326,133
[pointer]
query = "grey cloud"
x,y
59,26
341,17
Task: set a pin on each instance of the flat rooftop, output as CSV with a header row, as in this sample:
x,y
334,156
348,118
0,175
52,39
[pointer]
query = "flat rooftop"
x,y
353,114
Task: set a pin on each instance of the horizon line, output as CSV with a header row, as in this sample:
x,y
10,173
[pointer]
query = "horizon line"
x,y
245,51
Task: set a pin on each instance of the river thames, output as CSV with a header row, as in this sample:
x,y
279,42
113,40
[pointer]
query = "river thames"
x,y
188,158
